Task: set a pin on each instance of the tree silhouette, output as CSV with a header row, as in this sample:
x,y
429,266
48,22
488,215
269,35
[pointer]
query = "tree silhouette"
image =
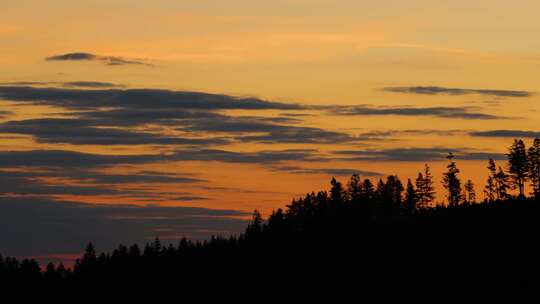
x,y
392,195
518,166
502,184
411,197
451,182
380,190
255,226
424,188
367,190
337,193
354,188
534,167
490,189
470,193
381,234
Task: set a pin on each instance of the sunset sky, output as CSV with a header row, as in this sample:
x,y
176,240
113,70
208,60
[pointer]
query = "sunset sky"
x,y
125,120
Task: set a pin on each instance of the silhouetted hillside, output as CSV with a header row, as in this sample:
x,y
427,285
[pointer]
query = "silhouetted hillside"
x,y
373,236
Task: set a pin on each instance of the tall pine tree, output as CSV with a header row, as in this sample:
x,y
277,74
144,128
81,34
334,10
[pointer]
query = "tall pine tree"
x,y
534,167
424,188
470,193
518,166
411,197
451,182
490,190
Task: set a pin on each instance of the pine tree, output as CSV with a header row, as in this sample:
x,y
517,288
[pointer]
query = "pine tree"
x,y
393,190
451,182
354,188
380,190
490,190
50,272
411,197
367,190
518,166
424,188
256,224
156,246
534,167
337,193
276,219
90,255
61,271
470,194
502,184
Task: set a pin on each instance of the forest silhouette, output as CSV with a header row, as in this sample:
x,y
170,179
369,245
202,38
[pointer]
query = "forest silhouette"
x,y
387,233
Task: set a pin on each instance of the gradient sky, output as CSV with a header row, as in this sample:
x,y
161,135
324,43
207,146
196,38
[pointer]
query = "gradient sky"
x,y
124,120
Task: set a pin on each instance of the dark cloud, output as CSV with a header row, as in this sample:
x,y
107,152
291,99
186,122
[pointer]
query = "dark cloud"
x,y
376,134
192,112
125,117
135,178
3,114
83,182
506,133
442,112
267,131
265,157
67,159
29,184
72,56
87,132
434,90
150,99
108,60
36,226
417,154
70,159
327,171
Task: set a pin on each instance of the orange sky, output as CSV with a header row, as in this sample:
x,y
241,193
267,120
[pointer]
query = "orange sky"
x,y
309,88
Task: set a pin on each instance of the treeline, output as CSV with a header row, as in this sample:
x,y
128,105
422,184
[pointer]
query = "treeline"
x,y
382,232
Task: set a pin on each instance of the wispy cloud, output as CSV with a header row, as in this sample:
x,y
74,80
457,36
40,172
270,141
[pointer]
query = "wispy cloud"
x,y
506,133
434,90
83,182
88,132
71,159
108,60
137,99
265,130
417,154
326,171
380,134
441,112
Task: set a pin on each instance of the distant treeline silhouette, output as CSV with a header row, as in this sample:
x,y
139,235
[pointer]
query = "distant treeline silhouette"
x,y
382,234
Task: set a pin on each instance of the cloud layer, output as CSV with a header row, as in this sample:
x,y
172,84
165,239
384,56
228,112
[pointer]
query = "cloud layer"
x,y
417,154
434,90
108,60
136,98
506,133
441,112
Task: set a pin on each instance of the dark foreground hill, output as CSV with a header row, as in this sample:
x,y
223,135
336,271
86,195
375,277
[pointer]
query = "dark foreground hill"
x,y
334,239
